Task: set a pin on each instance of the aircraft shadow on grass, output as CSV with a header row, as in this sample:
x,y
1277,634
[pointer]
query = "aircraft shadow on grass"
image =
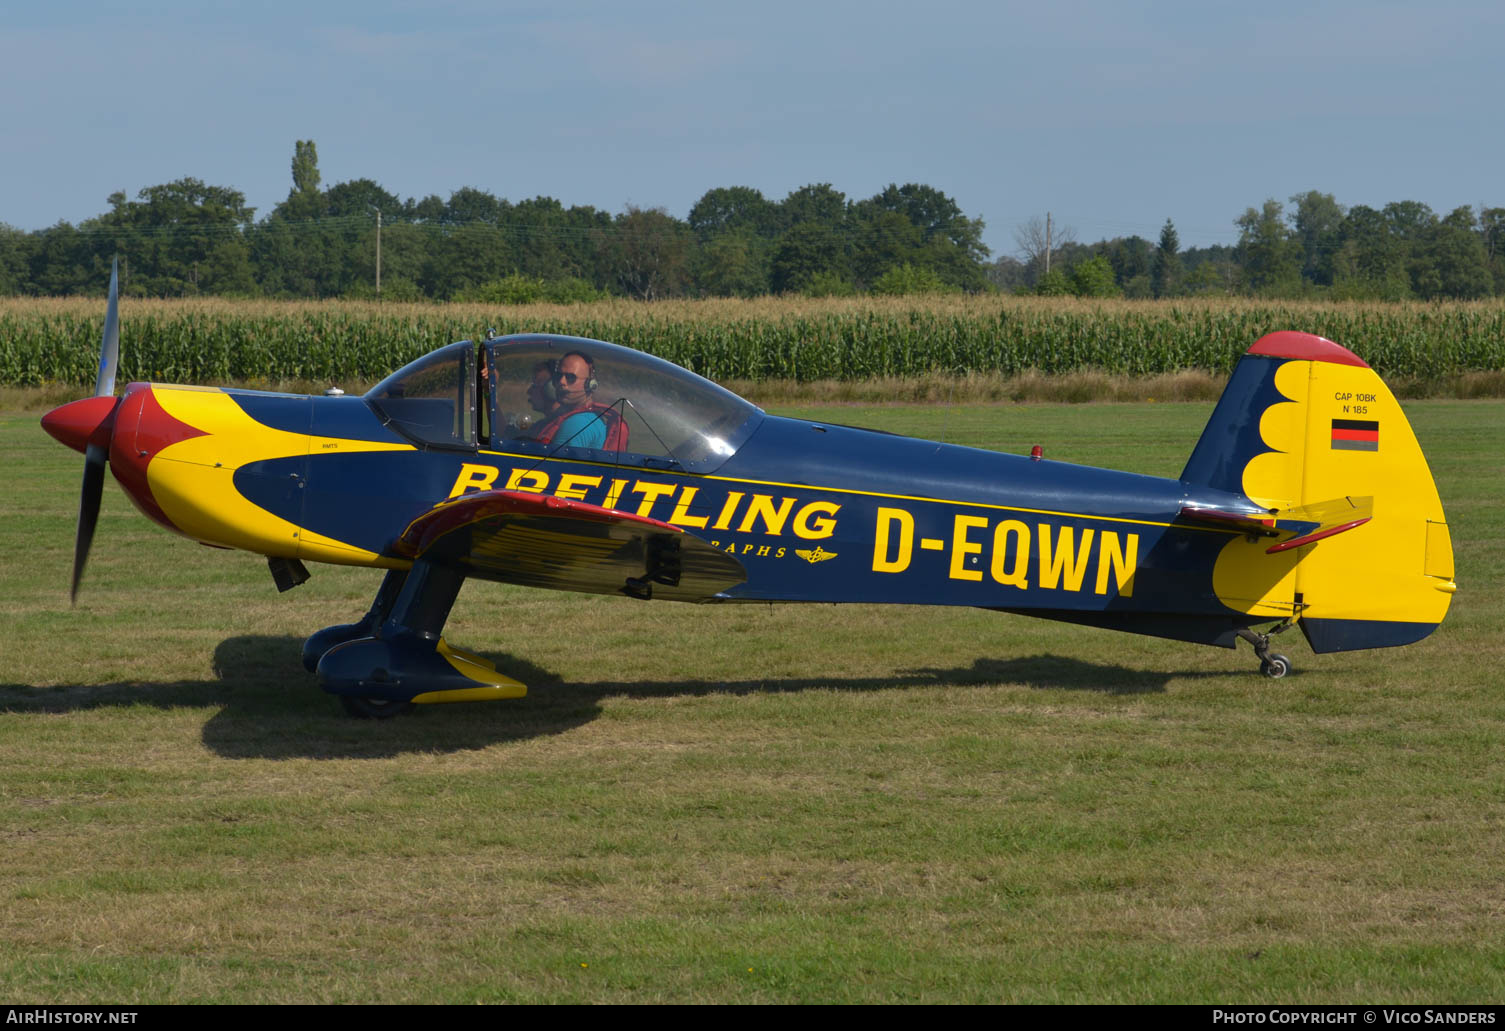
x,y
265,713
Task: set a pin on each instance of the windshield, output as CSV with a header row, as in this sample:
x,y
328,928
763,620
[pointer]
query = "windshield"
x,y
571,396
432,399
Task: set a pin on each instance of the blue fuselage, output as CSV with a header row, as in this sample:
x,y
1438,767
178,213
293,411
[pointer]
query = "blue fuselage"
x,y
813,511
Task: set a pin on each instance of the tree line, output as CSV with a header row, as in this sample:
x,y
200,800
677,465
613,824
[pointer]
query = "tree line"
x,y
189,238
1316,248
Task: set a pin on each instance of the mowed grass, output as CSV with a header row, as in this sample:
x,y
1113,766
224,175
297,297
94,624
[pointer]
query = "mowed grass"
x,y
741,804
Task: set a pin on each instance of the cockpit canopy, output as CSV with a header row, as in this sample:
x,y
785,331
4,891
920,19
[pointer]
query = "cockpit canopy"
x,y
628,408
432,399
650,412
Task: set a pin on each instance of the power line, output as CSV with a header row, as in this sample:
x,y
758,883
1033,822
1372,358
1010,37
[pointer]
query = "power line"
x,y
854,231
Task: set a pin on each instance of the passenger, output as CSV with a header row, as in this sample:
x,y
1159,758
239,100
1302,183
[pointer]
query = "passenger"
x,y
542,396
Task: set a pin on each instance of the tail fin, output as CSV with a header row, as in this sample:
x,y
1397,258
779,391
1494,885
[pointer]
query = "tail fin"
x,y
1308,430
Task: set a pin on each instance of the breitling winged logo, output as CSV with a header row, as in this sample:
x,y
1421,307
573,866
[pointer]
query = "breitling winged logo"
x,y
817,554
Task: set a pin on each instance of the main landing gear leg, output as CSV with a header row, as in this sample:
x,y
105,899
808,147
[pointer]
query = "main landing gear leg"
x,y
316,646
400,657
1271,664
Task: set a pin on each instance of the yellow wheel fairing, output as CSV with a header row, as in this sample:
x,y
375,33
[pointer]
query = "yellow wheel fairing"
x,y
491,685
1377,571
193,480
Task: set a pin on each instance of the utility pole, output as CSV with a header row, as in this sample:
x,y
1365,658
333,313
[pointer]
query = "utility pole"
x,y
378,254
1047,245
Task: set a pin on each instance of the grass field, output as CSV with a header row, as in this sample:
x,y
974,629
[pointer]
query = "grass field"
x,y
741,804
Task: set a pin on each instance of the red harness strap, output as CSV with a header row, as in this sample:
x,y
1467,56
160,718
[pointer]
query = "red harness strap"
x,y
616,427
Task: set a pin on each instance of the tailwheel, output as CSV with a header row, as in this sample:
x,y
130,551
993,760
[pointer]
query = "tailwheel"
x,y
1276,666
374,708
1271,664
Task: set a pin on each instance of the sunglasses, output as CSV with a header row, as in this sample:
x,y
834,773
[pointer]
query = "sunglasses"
x,y
567,377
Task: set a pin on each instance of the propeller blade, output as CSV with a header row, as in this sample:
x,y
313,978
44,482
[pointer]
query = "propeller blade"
x,y
97,453
109,347
95,459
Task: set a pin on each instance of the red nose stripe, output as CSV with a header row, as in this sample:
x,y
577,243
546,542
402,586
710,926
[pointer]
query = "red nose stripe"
x,y
155,430
82,422
143,429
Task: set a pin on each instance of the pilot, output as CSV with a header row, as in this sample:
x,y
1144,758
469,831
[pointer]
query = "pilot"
x,y
577,420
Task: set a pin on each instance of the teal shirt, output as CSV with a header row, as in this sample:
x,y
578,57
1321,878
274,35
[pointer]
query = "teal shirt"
x,y
583,429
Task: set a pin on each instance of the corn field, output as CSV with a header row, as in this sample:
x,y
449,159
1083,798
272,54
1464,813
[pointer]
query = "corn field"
x,y
56,341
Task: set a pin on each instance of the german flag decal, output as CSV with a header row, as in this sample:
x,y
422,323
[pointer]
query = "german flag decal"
x,y
1356,435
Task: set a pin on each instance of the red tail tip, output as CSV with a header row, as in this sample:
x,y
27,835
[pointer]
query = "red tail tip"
x,y
1305,346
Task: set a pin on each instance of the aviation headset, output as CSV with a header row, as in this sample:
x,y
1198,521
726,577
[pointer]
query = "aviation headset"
x,y
548,389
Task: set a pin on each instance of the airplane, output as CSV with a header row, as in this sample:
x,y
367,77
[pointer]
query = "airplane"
x,y
580,465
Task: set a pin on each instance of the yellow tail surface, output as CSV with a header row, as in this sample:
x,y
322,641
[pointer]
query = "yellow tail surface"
x,y
1371,563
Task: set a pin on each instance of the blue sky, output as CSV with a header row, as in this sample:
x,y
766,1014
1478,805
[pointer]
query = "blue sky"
x,y
1112,116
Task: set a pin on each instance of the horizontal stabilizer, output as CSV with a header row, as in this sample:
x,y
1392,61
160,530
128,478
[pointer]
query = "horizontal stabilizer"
x,y
1332,518
1259,523
1307,524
